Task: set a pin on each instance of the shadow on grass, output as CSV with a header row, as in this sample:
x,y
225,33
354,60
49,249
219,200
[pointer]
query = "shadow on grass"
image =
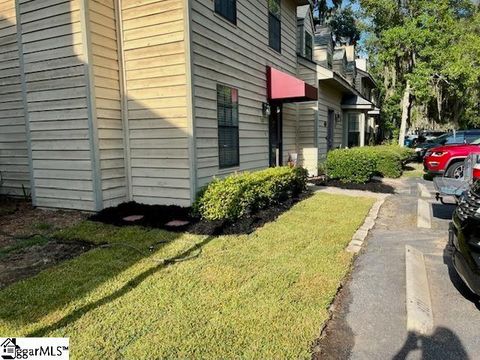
x,y
130,285
28,301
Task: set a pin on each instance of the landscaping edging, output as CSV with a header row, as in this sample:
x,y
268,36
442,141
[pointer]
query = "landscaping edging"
x,y
359,237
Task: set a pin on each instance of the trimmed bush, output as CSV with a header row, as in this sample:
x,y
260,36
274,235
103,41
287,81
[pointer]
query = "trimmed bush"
x,y
238,194
351,165
358,165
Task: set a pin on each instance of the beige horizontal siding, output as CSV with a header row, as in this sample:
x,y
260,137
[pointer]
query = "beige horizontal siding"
x,y
108,106
237,56
329,98
155,69
57,103
14,167
307,111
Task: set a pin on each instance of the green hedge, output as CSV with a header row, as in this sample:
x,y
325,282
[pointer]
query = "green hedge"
x,y
238,194
358,165
350,165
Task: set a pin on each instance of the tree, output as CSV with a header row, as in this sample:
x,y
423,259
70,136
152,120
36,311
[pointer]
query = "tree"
x,y
419,49
344,26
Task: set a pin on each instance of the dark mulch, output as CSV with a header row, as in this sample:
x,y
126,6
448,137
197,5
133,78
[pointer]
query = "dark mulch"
x,y
157,216
31,260
373,186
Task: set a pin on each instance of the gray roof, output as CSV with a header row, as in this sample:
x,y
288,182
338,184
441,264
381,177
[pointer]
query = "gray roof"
x,y
323,35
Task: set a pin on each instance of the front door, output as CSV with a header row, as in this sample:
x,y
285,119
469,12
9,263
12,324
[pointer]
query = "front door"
x,y
330,127
275,135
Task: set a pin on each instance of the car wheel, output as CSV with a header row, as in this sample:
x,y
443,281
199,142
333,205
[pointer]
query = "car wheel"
x,y
455,170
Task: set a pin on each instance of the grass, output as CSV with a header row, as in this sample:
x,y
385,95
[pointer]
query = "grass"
x,y
413,169
263,295
22,243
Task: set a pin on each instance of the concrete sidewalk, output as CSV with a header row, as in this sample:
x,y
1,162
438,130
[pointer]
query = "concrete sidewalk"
x,y
369,317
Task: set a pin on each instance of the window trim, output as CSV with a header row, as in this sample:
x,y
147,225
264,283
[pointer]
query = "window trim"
x,y
223,16
310,56
279,19
237,127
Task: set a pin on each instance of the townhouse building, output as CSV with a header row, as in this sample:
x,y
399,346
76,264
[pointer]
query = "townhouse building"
x,y
106,101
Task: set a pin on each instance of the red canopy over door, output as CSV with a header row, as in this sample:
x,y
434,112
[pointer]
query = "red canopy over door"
x,y
282,87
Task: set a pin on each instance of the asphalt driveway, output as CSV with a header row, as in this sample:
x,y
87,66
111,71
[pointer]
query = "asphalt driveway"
x,y
369,318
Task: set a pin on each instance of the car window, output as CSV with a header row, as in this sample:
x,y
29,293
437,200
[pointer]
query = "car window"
x,y
457,138
476,142
469,138
442,139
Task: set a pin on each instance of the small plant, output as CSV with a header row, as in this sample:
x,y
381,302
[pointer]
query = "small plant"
x,y
43,226
238,194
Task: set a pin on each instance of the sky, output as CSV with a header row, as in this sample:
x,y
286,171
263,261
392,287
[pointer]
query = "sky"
x,y
354,4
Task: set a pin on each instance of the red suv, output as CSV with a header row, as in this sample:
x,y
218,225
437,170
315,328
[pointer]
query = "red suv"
x,y
448,159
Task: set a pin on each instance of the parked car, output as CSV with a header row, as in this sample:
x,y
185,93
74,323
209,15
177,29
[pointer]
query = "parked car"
x,y
457,137
411,140
431,135
464,236
448,160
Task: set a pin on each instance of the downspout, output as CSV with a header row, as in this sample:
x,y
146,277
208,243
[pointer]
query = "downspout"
x,y
21,62
92,112
192,143
123,100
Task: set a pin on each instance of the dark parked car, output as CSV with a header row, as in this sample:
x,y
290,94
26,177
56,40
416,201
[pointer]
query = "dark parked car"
x,y
465,237
457,137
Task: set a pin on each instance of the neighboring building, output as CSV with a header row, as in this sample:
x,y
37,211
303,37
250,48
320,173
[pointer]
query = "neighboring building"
x,y
104,101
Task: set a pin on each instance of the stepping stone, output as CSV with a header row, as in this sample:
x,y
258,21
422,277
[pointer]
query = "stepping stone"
x,y
177,223
133,218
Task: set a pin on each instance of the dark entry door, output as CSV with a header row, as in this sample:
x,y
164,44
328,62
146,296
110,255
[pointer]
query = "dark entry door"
x,y
275,135
330,127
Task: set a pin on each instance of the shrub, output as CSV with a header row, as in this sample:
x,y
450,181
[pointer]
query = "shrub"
x,y
351,165
358,165
238,194
389,162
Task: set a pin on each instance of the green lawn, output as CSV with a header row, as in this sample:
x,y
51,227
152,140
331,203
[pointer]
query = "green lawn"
x,y
263,295
413,169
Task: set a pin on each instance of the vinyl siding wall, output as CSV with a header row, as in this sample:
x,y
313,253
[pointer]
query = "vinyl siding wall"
x,y
156,88
329,99
55,75
307,111
108,105
14,169
237,56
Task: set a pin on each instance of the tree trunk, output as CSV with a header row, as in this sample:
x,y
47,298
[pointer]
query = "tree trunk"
x,y
405,113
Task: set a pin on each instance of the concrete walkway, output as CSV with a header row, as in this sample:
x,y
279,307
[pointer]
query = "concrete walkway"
x,y
369,316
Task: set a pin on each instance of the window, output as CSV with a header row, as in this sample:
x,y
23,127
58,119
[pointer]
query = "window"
x,y
227,9
274,24
308,46
329,60
456,138
227,116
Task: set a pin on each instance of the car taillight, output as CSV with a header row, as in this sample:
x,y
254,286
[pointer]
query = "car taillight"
x,y
476,171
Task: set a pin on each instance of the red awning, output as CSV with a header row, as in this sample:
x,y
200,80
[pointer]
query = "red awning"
x,y
283,87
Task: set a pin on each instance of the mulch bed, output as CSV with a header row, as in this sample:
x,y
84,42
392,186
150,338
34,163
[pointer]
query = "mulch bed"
x,y
157,216
373,186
